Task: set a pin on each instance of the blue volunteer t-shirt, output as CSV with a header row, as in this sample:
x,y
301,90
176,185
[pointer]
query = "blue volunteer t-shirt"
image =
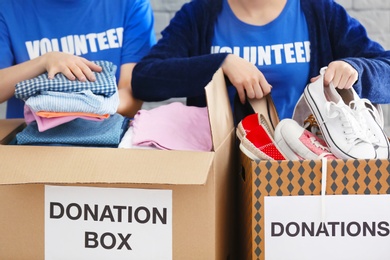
x,y
116,31
280,49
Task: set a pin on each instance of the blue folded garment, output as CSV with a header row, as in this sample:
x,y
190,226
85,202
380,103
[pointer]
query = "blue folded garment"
x,y
105,83
79,132
83,101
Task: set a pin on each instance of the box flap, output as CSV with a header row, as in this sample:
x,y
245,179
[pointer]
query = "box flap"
x,y
32,164
9,128
220,111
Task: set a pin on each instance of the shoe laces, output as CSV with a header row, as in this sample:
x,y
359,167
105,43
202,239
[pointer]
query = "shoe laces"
x,y
352,127
364,103
358,107
316,143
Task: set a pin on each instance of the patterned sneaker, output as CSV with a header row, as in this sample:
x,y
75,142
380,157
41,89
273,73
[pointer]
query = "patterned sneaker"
x,y
258,144
251,122
297,143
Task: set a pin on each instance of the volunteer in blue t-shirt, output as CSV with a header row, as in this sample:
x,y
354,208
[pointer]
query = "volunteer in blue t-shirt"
x,y
64,36
262,45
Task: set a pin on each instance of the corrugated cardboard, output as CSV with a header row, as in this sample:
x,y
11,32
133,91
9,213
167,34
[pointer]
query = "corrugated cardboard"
x,y
9,128
202,183
292,178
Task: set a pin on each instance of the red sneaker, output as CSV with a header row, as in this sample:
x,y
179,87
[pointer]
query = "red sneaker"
x,y
258,144
265,114
246,124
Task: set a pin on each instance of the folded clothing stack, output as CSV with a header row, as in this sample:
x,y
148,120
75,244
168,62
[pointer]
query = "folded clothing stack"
x,y
60,111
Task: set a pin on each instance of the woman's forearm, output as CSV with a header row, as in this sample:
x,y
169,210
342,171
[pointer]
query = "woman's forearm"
x,y
10,76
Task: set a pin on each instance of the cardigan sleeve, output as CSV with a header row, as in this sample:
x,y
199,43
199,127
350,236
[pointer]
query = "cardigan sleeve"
x,y
180,64
351,44
374,78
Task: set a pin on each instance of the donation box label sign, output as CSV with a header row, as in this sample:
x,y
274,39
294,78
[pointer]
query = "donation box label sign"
x,y
107,223
355,227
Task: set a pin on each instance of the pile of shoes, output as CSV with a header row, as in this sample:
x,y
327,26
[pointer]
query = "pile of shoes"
x,y
298,143
287,141
352,127
337,125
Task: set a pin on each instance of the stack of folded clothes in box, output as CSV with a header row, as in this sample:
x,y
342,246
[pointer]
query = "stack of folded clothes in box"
x,y
60,111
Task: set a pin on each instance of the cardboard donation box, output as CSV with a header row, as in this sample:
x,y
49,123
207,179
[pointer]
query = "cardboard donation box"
x,y
335,209
113,203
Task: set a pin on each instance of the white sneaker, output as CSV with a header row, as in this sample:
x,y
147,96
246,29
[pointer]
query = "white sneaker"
x,y
297,143
342,132
371,120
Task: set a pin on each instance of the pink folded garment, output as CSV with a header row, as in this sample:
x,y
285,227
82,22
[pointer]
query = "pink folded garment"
x,y
48,123
173,127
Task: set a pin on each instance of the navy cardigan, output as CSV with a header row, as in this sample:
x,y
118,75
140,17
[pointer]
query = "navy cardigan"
x,y
180,64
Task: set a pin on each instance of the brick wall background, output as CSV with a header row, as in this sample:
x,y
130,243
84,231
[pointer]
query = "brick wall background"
x,y
373,14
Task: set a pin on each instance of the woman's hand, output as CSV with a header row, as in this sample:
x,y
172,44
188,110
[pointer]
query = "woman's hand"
x,y
73,67
245,77
341,74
